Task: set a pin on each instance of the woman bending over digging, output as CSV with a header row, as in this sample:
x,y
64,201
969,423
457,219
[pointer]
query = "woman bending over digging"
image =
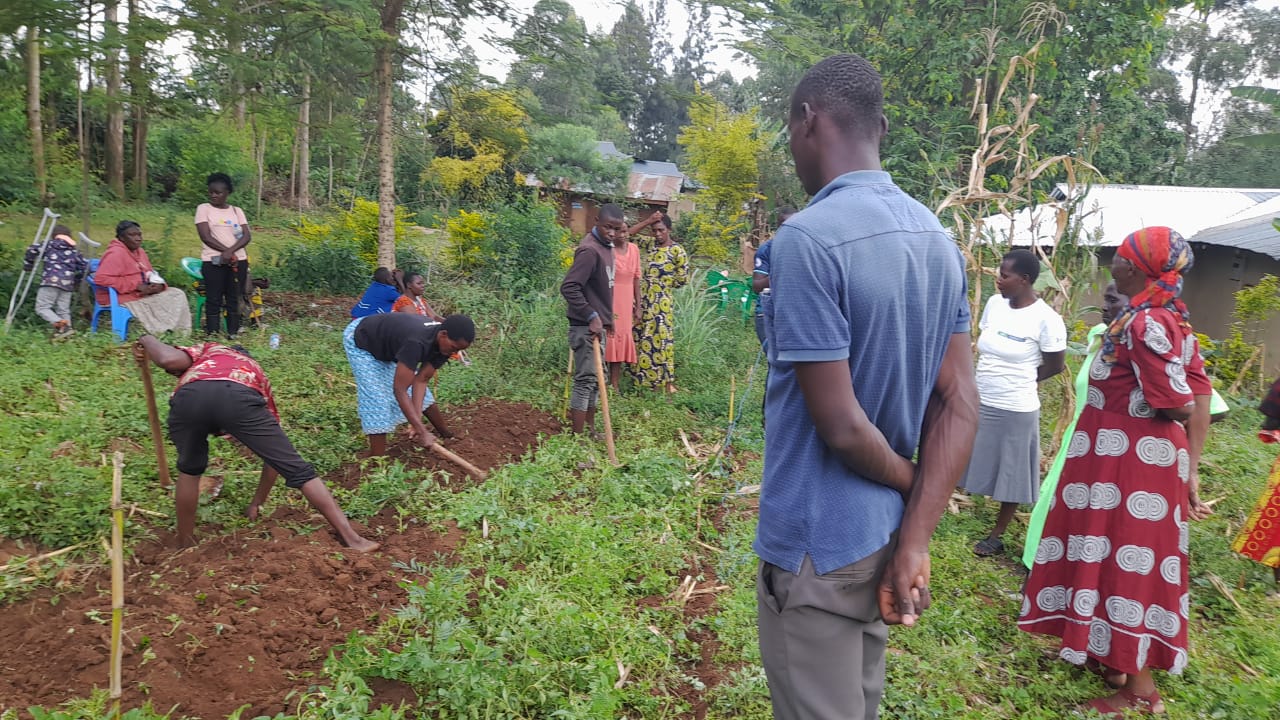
x,y
392,357
221,390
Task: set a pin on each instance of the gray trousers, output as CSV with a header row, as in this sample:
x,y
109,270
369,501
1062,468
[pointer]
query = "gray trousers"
x,y
585,383
822,640
53,304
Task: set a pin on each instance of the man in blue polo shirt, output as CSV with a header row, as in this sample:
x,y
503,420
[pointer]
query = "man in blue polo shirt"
x,y
869,366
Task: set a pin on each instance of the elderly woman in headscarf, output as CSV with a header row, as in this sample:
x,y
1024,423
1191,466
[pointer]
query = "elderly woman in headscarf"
x,y
126,267
1110,573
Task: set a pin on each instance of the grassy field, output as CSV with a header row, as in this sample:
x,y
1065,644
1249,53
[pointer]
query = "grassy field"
x,y
564,598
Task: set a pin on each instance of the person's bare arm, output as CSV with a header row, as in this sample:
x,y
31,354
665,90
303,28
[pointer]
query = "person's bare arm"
x,y
1178,414
1197,432
846,429
406,378
431,313
1051,363
246,236
206,237
169,358
759,281
946,441
655,217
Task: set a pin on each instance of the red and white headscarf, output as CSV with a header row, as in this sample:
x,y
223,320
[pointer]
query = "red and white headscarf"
x,y
1162,255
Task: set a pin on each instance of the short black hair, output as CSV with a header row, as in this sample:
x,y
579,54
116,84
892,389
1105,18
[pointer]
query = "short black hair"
x,y
409,276
223,178
383,275
848,88
1023,262
608,211
460,328
123,226
666,220
785,212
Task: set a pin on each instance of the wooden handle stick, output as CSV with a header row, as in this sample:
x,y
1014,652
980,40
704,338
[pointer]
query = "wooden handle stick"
x,y
454,458
117,579
604,400
157,439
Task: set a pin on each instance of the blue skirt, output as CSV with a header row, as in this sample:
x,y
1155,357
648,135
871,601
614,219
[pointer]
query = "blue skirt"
x,y
375,391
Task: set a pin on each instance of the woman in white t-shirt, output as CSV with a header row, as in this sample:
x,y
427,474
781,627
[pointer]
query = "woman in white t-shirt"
x,y
224,233
1022,342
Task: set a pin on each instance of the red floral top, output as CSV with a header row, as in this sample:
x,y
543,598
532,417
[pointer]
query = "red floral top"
x,y
407,303
211,361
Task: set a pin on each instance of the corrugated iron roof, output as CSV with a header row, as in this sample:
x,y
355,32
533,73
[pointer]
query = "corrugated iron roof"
x,y
1254,230
659,188
1107,213
654,180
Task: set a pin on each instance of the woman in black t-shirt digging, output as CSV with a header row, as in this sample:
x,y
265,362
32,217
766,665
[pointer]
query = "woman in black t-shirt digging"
x,y
392,357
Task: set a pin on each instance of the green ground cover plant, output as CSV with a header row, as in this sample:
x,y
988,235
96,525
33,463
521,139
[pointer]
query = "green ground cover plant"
x,y
559,602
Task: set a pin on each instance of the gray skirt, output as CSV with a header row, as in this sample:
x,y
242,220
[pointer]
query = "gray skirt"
x,y
1005,465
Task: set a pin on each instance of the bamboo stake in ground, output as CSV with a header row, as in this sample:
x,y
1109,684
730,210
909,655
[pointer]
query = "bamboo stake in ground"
x,y
604,400
157,439
117,579
454,458
568,383
733,382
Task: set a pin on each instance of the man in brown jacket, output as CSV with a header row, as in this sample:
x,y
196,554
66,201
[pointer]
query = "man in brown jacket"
x,y
588,293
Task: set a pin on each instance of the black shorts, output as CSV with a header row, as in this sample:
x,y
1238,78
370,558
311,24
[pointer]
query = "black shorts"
x,y
213,407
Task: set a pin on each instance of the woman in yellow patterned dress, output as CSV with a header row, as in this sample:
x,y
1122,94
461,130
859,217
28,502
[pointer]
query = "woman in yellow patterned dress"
x,y
665,269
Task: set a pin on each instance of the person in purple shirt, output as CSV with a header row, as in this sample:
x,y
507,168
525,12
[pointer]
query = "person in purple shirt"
x,y
869,366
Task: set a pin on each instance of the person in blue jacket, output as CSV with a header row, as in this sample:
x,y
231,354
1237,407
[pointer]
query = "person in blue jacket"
x,y
378,298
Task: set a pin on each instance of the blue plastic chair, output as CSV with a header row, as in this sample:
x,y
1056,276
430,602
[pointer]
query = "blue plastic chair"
x,y
120,315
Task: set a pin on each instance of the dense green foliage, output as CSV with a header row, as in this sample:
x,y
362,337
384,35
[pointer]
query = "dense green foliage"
x,y
518,247
533,618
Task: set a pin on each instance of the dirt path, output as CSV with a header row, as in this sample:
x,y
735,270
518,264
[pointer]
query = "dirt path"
x,y
245,618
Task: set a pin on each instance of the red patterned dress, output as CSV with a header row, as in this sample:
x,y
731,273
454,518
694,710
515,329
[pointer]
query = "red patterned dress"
x,y
1110,573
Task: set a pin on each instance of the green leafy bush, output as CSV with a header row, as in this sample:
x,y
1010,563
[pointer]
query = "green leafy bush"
x,y
185,154
360,223
333,266
516,247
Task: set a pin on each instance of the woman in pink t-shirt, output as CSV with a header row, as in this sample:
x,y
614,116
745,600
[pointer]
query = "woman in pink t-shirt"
x,y
224,232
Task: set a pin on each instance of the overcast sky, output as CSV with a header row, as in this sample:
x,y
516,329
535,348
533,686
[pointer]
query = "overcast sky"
x,y
600,15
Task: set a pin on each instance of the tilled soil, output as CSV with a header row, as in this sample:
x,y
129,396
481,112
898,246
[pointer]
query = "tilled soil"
x,y
245,618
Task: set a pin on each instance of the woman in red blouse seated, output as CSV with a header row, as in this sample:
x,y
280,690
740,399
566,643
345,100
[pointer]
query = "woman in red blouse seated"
x,y
412,301
126,267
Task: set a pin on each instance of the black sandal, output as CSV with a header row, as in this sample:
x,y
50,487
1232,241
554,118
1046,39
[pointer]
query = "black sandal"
x,y
989,547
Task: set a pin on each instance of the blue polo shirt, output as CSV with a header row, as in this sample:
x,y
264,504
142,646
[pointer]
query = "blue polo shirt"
x,y
762,257
867,275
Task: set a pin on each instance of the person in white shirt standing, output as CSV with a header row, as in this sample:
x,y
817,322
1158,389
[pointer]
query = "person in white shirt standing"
x,y
1022,342
224,233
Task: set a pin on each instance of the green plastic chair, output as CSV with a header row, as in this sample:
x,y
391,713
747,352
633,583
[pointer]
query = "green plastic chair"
x,y
737,294
192,266
716,283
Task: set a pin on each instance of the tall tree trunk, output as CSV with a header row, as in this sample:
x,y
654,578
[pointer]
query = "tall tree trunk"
x,y
115,109
139,96
384,69
34,122
304,145
240,105
328,131
292,194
